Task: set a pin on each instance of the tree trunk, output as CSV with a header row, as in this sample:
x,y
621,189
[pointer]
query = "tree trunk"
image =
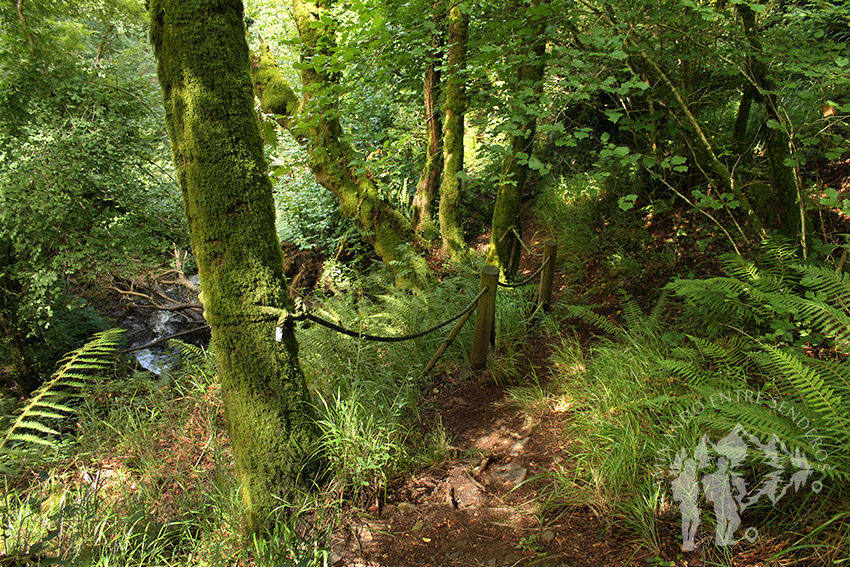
x,y
504,243
783,210
203,68
429,182
739,132
454,243
314,122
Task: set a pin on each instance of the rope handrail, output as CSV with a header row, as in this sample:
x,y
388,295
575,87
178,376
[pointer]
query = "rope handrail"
x,y
527,280
382,339
527,249
484,333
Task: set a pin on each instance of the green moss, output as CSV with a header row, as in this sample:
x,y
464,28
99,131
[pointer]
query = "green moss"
x,y
271,86
454,244
506,213
203,68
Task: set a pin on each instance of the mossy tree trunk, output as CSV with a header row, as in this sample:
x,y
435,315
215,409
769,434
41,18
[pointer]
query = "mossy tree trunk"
x,y
203,68
429,182
454,243
742,118
505,248
314,121
783,212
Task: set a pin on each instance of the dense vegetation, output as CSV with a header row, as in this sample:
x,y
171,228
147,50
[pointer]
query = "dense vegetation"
x,y
690,159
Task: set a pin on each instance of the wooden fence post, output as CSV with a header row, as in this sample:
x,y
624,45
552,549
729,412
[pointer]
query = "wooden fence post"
x,y
485,318
544,296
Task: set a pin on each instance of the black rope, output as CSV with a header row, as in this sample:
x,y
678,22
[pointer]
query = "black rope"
x,y
527,280
357,335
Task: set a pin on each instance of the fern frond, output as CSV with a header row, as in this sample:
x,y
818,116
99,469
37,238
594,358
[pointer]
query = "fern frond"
x,y
835,287
809,384
587,314
633,317
823,318
195,359
77,368
692,373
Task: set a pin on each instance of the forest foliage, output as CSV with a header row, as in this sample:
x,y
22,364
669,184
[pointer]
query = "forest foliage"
x,y
684,151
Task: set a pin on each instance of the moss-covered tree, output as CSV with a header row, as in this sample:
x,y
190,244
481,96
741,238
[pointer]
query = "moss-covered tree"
x,y
505,249
203,68
429,182
454,243
782,211
313,119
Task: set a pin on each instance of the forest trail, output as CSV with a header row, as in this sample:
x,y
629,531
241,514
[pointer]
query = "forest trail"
x,y
484,507
487,506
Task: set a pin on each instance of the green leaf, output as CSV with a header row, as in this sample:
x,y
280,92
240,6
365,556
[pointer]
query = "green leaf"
x,y
627,202
678,160
535,164
790,162
613,116
649,161
773,124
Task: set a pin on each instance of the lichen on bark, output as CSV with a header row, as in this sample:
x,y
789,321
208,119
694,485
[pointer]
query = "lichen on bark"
x,y
203,69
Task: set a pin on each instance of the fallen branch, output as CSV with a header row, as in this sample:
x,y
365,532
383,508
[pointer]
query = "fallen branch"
x,y
164,339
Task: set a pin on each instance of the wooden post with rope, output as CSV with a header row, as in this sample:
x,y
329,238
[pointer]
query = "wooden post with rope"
x,y
485,318
544,296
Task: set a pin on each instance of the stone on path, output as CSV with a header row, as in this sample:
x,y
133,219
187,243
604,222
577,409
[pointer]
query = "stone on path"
x,y
510,473
517,447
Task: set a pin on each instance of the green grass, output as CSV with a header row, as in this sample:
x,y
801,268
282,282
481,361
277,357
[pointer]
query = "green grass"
x,y
146,477
632,410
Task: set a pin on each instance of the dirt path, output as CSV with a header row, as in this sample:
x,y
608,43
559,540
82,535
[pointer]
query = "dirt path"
x,y
484,508
487,506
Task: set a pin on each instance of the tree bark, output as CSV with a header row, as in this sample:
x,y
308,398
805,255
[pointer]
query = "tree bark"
x,y
429,181
454,243
783,210
203,68
314,122
739,131
504,250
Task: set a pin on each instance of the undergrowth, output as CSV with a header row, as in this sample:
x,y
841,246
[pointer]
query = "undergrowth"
x,y
748,368
143,473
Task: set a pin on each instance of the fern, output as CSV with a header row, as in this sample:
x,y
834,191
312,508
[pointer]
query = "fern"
x,y
196,360
587,314
50,402
794,301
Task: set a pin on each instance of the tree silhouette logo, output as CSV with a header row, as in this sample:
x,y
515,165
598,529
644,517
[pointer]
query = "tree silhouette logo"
x,y
713,470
